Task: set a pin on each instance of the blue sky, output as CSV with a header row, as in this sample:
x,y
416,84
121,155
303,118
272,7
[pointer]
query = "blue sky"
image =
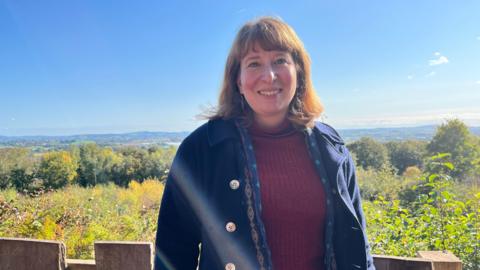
x,y
69,67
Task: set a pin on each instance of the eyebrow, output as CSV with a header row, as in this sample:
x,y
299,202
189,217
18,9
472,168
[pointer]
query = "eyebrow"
x,y
253,57
256,55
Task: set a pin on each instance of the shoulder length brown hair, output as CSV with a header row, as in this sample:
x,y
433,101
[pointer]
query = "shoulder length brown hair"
x,y
271,34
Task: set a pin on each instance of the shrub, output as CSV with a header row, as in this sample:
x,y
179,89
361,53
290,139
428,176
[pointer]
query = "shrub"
x,y
436,219
79,216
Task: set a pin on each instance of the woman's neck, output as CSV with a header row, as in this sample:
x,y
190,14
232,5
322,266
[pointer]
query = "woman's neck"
x,y
271,126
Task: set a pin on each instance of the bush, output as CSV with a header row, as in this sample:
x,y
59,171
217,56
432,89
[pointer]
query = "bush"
x,y
383,182
57,169
434,219
406,154
79,216
412,171
369,153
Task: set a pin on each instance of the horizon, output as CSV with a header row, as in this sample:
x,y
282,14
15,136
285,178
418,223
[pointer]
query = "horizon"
x,y
99,130
189,131
91,67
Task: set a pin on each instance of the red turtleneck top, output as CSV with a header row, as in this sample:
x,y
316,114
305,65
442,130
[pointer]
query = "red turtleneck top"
x,y
292,197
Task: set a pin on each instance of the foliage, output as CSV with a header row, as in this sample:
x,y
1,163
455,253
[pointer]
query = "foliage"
x,y
383,182
86,164
102,165
141,164
406,154
438,219
411,202
452,137
455,138
369,153
57,169
79,216
95,164
439,214
21,179
14,159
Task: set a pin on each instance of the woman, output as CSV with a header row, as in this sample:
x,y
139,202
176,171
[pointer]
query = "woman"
x,y
261,185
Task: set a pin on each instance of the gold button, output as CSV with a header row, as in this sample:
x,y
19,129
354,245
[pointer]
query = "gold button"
x,y
234,184
231,227
229,266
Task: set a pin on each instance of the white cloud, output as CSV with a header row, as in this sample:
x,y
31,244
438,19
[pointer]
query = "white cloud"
x,y
410,77
431,74
440,60
437,54
478,38
477,82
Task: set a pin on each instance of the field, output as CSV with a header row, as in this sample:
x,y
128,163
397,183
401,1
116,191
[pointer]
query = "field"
x,y
79,216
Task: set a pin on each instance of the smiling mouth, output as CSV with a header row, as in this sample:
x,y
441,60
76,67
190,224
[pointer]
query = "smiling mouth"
x,y
269,92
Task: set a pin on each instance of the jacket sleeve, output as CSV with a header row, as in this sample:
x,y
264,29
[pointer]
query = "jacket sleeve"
x,y
177,239
354,193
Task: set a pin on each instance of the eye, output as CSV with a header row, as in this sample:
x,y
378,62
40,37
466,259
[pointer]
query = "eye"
x,y
253,64
281,61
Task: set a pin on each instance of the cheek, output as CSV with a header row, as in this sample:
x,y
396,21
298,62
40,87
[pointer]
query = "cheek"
x,y
247,81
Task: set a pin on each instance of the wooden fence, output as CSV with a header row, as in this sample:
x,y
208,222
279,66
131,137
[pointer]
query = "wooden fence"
x,y
23,254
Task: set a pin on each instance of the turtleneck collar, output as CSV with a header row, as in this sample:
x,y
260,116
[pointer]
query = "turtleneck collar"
x,y
284,129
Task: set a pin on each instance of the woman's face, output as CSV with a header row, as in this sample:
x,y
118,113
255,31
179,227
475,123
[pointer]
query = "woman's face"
x,y
268,80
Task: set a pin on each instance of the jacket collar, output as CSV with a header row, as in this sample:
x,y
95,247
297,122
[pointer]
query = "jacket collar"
x,y
329,133
220,130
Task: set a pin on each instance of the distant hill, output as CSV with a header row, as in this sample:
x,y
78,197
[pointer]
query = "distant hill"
x,y
147,138
133,138
423,133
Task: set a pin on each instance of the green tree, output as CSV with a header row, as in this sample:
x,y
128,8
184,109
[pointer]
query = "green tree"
x,y
369,153
455,138
158,161
21,179
139,164
57,169
406,154
379,182
95,164
131,166
12,159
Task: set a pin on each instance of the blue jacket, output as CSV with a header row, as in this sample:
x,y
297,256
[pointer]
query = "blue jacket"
x,y
211,203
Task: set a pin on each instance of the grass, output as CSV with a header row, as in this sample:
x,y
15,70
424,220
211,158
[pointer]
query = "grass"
x,y
79,216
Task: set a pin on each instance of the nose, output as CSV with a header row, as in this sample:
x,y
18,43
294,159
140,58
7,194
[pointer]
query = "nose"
x,y
269,74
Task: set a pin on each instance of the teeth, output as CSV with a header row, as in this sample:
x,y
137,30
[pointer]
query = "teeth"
x,y
269,92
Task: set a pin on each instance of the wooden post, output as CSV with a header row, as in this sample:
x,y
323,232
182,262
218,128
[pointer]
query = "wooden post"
x,y
442,260
383,262
114,255
27,254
